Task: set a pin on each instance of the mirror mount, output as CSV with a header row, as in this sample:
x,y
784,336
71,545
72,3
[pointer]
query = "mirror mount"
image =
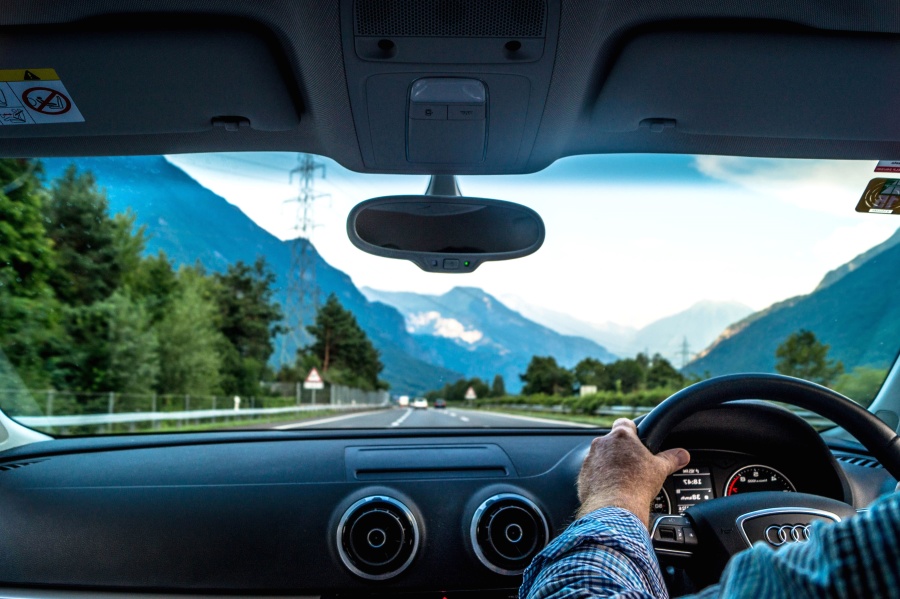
x,y
444,231
443,185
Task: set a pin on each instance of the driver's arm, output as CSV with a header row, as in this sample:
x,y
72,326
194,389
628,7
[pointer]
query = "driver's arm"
x,y
607,552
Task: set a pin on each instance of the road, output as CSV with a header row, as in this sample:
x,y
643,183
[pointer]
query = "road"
x,y
410,418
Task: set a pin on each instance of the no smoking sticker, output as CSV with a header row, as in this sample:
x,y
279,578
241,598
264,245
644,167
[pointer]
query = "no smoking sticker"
x,y
35,97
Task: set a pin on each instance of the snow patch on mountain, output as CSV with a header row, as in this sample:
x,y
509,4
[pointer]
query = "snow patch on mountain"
x,y
432,323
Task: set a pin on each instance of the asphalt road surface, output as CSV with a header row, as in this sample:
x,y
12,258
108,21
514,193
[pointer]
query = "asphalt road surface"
x,y
411,418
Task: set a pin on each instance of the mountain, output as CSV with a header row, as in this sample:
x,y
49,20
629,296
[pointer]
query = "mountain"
x,y
700,324
473,332
192,224
614,337
839,272
855,310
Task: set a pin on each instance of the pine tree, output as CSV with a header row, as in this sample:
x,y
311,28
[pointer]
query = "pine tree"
x,y
345,352
803,356
498,386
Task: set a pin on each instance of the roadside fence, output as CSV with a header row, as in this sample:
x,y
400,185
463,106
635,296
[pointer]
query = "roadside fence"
x,y
90,413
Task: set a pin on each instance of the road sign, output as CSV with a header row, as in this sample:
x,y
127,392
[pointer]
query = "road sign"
x,y
470,393
313,380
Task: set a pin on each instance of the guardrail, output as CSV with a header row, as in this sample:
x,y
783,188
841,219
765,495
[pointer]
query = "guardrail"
x,y
634,411
191,416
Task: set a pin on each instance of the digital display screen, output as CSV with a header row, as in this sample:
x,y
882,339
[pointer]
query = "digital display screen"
x,y
693,484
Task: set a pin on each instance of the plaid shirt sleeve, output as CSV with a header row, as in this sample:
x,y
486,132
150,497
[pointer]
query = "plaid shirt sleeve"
x,y
604,554
608,554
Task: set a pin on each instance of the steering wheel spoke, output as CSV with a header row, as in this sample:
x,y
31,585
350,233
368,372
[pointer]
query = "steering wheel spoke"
x,y
673,537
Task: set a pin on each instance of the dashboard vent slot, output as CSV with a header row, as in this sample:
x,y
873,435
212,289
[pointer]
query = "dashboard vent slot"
x,y
17,465
377,537
450,18
507,531
860,461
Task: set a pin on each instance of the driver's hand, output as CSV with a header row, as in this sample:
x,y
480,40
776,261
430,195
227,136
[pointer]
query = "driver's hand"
x,y
620,472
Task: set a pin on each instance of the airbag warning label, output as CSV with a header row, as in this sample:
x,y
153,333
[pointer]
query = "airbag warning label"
x,y
882,196
35,97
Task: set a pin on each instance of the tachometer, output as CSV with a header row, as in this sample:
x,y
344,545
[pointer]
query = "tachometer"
x,y
661,503
758,478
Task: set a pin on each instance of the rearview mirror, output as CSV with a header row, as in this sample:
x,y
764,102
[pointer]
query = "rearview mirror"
x,y
452,234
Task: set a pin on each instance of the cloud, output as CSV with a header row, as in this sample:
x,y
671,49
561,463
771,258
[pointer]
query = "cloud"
x,y
830,186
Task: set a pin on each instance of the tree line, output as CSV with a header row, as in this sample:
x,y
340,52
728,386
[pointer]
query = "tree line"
x,y
84,310
645,381
544,376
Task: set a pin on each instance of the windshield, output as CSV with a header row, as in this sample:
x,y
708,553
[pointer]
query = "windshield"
x,y
221,292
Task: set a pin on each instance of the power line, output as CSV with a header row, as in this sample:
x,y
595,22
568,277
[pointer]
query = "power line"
x,y
302,289
685,352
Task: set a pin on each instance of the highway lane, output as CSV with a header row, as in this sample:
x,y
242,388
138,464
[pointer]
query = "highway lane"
x,y
430,418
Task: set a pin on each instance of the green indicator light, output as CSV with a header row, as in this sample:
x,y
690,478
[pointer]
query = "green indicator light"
x,y
466,263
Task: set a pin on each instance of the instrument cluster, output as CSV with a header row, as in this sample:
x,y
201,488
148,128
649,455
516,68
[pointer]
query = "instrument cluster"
x,y
714,473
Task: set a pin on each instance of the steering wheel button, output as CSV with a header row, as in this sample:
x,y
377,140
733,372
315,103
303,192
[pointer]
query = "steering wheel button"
x,y
690,537
666,533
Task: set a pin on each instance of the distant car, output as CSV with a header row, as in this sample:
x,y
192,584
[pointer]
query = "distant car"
x,y
440,404
420,403
403,402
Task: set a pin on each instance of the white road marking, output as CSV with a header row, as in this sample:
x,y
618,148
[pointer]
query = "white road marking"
x,y
452,414
285,427
542,420
463,418
400,420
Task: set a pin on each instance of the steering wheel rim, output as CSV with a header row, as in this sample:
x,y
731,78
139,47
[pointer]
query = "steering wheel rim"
x,y
876,436
719,524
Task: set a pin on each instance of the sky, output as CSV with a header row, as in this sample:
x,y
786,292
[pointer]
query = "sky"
x,y
630,238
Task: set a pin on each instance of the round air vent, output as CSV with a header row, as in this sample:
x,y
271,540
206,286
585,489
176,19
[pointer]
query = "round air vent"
x,y
508,530
377,537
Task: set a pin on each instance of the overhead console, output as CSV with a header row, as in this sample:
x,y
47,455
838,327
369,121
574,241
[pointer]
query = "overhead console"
x,y
448,87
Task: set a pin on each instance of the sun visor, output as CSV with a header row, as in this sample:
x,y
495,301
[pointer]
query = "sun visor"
x,y
142,80
789,85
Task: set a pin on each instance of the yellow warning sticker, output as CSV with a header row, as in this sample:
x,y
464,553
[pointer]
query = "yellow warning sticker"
x,y
28,75
35,97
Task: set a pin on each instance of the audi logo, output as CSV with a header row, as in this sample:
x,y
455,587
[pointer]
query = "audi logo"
x,y
788,533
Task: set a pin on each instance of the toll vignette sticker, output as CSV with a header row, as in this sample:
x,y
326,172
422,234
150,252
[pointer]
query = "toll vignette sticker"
x,y
35,97
882,196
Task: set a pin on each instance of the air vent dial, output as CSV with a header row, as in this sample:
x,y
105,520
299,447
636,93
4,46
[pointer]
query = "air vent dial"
x,y
377,537
507,531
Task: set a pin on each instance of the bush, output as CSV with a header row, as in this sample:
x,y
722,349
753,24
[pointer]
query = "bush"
x,y
588,404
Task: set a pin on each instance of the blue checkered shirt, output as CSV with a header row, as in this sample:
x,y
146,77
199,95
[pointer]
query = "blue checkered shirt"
x,y
608,554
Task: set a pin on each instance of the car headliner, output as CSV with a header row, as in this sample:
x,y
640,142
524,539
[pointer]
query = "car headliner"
x,y
754,78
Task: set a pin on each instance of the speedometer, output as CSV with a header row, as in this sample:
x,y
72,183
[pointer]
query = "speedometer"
x,y
757,478
661,503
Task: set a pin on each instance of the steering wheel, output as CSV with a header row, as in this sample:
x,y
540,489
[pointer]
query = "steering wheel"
x,y
709,533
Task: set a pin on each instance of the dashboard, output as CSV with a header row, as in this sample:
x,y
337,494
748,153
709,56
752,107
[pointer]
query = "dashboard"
x,y
437,513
